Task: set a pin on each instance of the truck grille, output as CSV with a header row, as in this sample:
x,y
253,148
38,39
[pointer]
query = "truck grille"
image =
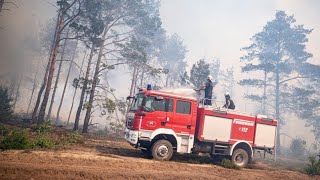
x,y
130,122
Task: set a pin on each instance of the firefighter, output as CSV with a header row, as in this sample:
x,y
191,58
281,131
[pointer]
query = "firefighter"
x,y
229,103
208,87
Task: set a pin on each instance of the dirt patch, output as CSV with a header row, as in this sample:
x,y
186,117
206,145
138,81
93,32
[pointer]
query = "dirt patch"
x,y
114,159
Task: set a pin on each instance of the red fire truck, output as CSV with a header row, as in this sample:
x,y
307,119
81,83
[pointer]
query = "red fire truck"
x,y
161,123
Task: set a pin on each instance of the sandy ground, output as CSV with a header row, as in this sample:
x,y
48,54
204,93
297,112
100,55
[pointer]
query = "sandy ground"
x,y
114,159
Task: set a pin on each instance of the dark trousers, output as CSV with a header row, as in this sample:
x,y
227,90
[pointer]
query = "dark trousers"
x,y
207,100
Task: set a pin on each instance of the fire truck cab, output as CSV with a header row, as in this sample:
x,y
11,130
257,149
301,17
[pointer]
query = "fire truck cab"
x,y
161,123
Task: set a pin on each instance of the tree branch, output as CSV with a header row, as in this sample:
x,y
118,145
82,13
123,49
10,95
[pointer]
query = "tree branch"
x,y
72,18
70,38
121,16
120,34
51,4
118,41
297,77
74,64
12,4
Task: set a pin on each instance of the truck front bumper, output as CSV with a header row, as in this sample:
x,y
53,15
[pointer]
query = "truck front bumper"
x,y
131,136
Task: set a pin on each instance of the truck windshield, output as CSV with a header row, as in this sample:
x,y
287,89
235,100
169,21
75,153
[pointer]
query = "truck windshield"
x,y
150,104
137,102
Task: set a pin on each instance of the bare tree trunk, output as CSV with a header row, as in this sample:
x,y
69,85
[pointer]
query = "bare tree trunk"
x,y
83,92
11,88
264,92
66,82
1,4
17,93
75,90
132,88
277,92
141,80
45,78
94,84
32,92
135,83
43,85
133,80
13,83
51,72
167,80
58,77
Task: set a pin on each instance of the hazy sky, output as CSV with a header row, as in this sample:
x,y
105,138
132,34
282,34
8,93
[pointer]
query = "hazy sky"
x,y
219,28
209,28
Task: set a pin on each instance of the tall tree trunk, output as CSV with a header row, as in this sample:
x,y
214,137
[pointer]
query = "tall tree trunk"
x,y
94,84
83,92
32,92
12,86
51,72
58,77
141,80
43,85
133,80
1,4
264,92
277,92
66,82
131,88
75,89
45,78
17,93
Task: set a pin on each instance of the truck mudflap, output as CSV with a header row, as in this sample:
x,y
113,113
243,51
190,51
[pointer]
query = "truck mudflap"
x,y
131,136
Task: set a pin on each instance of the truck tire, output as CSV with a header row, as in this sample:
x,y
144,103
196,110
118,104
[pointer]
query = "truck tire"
x,y
162,150
240,157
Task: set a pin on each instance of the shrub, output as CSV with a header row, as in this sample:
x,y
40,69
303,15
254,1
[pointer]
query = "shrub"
x,y
45,127
298,147
5,104
313,168
3,130
16,140
43,142
226,163
72,138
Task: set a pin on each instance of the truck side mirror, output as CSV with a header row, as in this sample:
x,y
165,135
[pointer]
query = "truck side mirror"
x,y
158,98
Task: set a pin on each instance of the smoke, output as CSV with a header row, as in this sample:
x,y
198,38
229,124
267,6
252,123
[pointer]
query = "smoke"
x,y
20,38
183,91
189,92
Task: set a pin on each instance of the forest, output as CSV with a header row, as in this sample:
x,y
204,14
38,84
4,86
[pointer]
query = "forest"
x,y
63,72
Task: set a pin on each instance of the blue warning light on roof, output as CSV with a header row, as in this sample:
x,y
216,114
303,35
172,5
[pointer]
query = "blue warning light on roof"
x,y
148,86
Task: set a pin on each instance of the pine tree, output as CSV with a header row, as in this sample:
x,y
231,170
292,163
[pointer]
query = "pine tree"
x,y
199,73
5,104
172,57
276,56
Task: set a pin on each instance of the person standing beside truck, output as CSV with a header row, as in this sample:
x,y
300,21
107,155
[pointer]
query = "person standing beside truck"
x,y
229,102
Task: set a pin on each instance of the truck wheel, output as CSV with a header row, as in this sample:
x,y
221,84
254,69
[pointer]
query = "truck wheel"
x,y
162,150
240,157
